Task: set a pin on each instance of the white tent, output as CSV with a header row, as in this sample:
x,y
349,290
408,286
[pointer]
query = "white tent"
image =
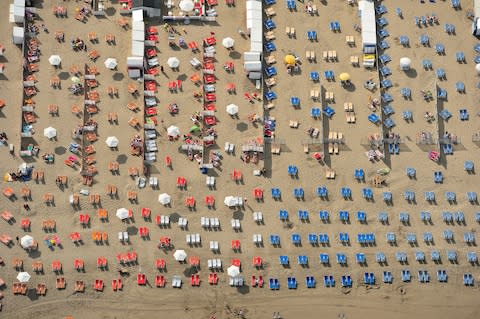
x,y
49,132
111,63
173,62
232,109
137,15
122,213
180,255
228,42
252,66
405,63
23,276
18,35
26,241
112,141
233,271
186,5
164,199
173,131
55,60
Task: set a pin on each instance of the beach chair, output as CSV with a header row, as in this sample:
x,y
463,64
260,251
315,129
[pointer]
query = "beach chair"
x,y
374,118
460,87
296,239
328,281
344,238
438,177
328,111
269,24
295,101
440,74
404,218
384,45
314,76
276,193
298,193
424,40
440,49
455,4
463,114
409,196
329,75
460,57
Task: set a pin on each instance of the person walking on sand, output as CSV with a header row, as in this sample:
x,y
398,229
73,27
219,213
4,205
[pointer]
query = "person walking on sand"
x,y
162,69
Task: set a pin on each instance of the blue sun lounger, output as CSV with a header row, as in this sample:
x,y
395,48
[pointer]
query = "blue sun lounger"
x,y
424,40
447,149
411,238
328,111
420,256
362,239
341,258
452,256
369,278
440,49
276,193
367,193
435,256
270,46
314,76
312,35
391,238
283,215
269,24
383,33
447,217
310,282
385,71
385,58
292,170
460,87
387,277
346,192
384,45
449,28
359,174
270,95
477,217
469,238
404,217
428,238
407,115
313,239
409,196
399,12
274,284
269,2
423,276
329,75
291,283
270,71
295,101
303,215
472,257
463,114
411,172
324,216
328,281
315,112
291,5
401,257
445,114
380,258
382,217
283,260
344,216
406,276
362,217
374,118
296,239
472,197
459,217
322,192
387,197
476,59
298,193
389,123
427,64
381,9
438,177
360,258
404,40
382,22
468,279
386,84
406,93
441,75
344,238
425,217
388,110
325,259
442,275
455,4
302,260
386,98
442,94
450,196
346,281
275,240
460,56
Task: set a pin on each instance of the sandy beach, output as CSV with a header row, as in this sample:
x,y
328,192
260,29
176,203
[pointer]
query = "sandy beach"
x,y
398,299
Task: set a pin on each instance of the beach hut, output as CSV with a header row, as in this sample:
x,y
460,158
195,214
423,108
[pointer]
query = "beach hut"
x,y
180,255
23,276
405,64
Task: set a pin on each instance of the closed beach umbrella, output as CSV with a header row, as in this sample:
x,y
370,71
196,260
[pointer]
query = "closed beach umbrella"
x,y
23,276
232,109
112,141
228,42
111,63
173,62
477,68
50,132
289,59
54,60
186,5
233,271
75,79
230,201
344,76
405,63
180,255
195,129
164,199
173,131
122,213
26,241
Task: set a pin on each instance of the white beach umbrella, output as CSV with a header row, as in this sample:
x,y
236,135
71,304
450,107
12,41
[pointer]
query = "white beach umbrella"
x,y
232,109
405,63
228,42
173,131
26,241
23,276
186,5
50,132
122,213
55,60
230,201
173,62
477,68
180,255
111,63
164,199
75,79
233,271
112,141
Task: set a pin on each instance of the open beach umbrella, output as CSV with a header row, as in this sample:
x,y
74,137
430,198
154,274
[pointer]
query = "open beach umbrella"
x,y
195,129
173,131
186,5
180,255
164,198
50,132
232,109
228,42
122,213
477,68
230,201
112,141
111,63
233,271
173,62
405,63
289,59
75,80
23,276
55,60
344,76
26,241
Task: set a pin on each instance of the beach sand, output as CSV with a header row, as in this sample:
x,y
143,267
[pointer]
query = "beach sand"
x,y
397,300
